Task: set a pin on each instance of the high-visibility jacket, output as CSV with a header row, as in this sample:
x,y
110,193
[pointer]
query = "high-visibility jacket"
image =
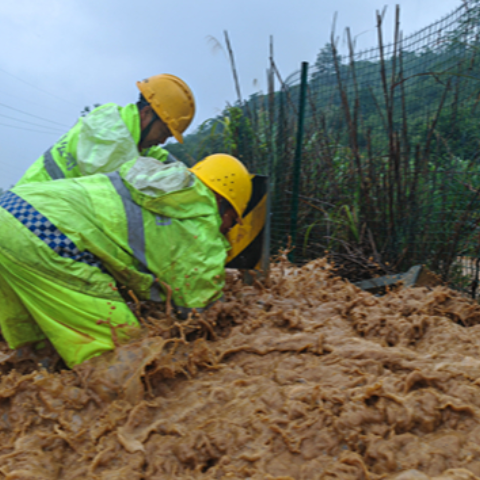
x,y
153,227
100,142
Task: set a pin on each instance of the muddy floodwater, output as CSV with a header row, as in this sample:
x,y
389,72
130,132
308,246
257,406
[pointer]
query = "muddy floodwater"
x,y
306,378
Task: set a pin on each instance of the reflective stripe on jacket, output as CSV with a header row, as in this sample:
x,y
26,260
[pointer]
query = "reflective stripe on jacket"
x,y
45,230
101,142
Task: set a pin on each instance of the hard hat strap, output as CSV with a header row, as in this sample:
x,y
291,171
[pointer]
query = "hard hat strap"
x,y
147,129
223,206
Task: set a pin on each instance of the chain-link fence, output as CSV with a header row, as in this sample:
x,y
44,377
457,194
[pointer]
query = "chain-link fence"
x,y
388,163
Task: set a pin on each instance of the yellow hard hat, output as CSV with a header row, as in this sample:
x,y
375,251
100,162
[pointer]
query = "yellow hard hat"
x,y
172,101
228,177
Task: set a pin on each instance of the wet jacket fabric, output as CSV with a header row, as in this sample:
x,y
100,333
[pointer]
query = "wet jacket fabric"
x,y
148,227
100,142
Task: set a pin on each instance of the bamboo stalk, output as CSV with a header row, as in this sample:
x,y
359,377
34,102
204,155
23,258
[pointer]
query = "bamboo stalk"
x,y
233,66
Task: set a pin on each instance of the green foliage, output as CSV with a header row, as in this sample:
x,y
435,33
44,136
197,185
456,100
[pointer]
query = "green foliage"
x,y
86,110
231,132
391,153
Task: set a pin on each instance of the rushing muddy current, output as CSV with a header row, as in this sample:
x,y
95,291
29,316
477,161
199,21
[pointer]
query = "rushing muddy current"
x,y
305,378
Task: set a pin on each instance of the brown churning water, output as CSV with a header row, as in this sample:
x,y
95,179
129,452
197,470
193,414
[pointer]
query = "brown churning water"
x,y
306,378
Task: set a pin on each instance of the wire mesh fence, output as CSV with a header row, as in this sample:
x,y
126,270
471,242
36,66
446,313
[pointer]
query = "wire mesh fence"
x,y
390,173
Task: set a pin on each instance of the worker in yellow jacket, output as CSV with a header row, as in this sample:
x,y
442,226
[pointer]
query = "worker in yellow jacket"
x,y
157,229
111,135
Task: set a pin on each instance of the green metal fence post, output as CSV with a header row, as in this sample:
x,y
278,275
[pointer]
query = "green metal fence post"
x,y
298,159
265,261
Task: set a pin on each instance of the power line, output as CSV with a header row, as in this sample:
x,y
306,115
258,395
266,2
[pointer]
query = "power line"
x,y
27,129
48,107
35,116
31,123
36,87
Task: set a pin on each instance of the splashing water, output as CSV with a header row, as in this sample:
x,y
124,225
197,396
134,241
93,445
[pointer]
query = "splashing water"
x,y
303,377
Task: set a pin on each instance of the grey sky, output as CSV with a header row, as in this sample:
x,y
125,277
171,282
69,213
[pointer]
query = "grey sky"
x,y
78,53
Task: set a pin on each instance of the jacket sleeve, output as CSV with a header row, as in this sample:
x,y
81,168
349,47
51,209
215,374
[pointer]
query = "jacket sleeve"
x,y
190,265
160,154
104,142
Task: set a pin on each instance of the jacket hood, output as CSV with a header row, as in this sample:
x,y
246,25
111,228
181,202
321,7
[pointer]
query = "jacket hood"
x,y
169,189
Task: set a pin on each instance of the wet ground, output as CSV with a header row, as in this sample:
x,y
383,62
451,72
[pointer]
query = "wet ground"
x,y
306,378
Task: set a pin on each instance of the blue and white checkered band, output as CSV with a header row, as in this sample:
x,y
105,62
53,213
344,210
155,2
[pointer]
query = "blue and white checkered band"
x,y
45,230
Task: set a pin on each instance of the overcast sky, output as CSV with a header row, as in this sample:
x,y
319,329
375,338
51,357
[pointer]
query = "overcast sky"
x,y
58,56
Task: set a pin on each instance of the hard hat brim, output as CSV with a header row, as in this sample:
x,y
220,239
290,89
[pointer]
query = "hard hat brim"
x,y
178,136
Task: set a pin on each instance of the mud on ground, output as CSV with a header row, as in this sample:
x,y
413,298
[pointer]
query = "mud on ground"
x,y
308,378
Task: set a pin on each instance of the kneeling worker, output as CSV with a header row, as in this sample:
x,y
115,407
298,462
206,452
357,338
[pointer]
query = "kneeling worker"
x,y
150,227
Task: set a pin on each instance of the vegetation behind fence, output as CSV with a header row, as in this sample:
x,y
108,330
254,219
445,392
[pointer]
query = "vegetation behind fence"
x,y
389,173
